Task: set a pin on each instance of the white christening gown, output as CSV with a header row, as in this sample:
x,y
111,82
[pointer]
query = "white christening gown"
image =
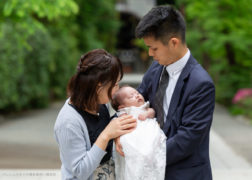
x,y
144,149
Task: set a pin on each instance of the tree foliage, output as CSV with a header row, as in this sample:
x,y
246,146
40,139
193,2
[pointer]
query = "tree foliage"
x,y
30,15
41,42
97,21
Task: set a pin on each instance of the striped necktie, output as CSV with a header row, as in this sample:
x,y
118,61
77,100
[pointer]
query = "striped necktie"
x,y
159,97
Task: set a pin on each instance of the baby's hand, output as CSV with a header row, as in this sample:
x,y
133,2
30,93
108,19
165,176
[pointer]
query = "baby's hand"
x,y
150,113
143,116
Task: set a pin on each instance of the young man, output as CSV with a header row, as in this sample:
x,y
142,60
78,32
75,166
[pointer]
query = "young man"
x,y
180,91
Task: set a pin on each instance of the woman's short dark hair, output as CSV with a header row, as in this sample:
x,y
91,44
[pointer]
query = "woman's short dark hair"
x,y
163,23
95,67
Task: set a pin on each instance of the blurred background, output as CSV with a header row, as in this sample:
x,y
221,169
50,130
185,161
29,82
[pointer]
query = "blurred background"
x,y
42,41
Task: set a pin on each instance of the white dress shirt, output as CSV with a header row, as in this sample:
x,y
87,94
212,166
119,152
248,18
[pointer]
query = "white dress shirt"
x,y
174,70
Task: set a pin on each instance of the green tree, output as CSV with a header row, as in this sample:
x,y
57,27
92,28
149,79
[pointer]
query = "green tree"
x,y
26,50
29,15
220,35
41,42
98,24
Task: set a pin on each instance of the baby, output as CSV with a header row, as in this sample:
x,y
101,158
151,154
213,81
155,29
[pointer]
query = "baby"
x,y
127,96
144,148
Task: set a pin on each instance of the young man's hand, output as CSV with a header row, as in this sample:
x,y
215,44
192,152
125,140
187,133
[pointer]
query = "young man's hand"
x,y
119,146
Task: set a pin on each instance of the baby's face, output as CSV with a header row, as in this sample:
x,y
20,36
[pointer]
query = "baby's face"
x,y
131,97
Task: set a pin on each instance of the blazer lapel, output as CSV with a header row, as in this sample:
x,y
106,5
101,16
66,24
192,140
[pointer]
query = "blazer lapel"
x,y
177,92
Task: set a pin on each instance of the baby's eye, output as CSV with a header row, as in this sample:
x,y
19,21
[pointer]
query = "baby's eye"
x,y
132,95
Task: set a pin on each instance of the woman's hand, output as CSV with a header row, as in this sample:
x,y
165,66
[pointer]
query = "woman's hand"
x,y
117,127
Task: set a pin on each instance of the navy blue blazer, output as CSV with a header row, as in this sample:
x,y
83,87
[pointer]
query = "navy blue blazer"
x,y
188,122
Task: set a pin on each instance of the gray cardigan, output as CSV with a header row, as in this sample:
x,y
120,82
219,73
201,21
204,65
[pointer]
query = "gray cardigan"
x,y
79,159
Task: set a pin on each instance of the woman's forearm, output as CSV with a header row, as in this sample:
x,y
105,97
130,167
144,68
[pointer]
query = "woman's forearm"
x,y
102,141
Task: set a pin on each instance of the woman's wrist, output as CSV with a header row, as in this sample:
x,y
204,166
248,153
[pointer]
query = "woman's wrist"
x,y
105,136
102,141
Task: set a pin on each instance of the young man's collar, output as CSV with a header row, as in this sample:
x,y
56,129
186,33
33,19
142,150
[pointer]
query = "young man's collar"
x,y
177,66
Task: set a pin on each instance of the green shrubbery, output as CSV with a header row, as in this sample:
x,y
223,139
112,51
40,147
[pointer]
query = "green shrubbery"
x,y
34,82
65,55
41,43
219,35
11,68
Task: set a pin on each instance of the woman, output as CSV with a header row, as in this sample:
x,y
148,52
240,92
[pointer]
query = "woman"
x,y
83,128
